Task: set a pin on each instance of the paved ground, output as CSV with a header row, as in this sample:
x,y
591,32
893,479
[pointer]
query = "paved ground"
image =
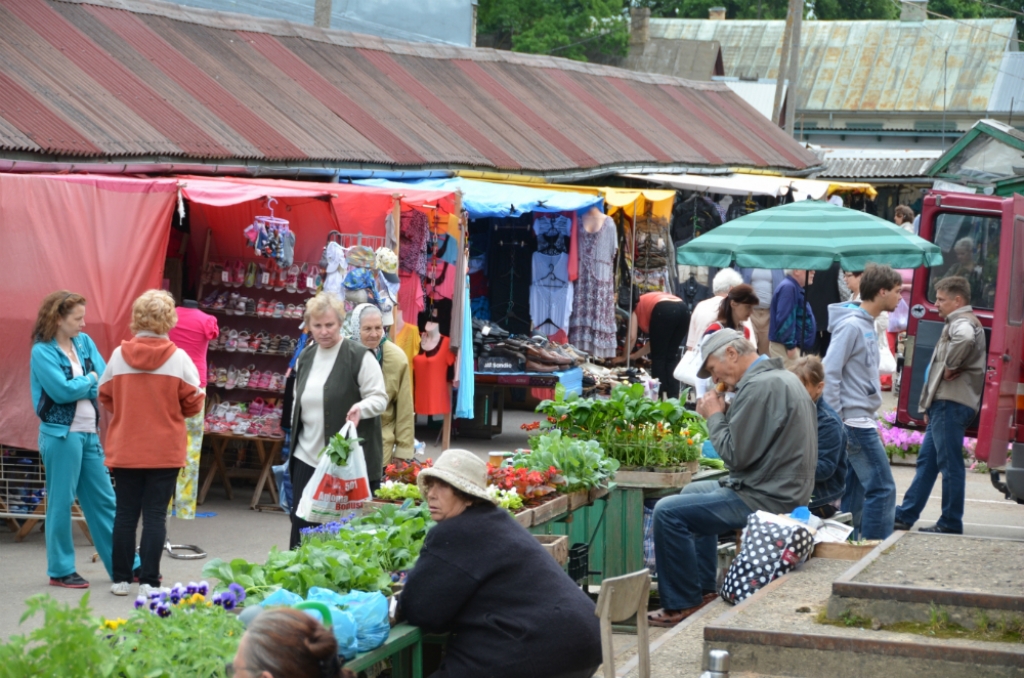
x,y
235,531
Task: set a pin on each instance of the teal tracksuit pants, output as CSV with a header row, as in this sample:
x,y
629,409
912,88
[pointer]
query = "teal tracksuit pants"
x,y
74,468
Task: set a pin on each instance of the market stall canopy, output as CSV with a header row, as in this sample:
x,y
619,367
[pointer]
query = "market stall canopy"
x,y
757,184
140,83
808,235
614,198
486,199
102,237
225,193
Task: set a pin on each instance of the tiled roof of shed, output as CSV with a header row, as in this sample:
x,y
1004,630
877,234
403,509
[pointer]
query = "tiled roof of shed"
x,y
145,80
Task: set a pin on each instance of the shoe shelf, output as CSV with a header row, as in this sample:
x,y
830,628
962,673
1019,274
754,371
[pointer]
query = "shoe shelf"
x,y
221,311
248,388
274,354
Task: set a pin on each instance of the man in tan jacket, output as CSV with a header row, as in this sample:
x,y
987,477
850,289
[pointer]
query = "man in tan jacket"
x,y
950,400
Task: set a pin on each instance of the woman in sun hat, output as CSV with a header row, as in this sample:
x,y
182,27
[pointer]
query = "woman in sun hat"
x,y
511,609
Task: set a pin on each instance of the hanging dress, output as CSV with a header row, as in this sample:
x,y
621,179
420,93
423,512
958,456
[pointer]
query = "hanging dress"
x,y
592,327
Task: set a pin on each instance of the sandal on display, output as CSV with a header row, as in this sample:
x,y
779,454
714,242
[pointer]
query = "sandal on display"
x,y
232,378
279,309
222,379
289,311
261,309
210,300
300,286
250,306
243,342
238,274
242,381
292,280
232,345
250,274
220,302
265,380
256,407
275,344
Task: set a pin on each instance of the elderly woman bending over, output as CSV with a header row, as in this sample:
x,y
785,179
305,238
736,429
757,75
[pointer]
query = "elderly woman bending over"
x,y
336,380
398,421
511,609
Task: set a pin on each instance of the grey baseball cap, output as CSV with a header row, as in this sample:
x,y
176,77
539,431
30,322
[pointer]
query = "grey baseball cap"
x,y
712,343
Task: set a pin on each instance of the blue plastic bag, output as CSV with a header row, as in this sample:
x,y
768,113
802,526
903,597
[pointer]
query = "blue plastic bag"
x,y
343,624
371,614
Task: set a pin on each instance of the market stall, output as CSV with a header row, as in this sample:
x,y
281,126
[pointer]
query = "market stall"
x,y
259,250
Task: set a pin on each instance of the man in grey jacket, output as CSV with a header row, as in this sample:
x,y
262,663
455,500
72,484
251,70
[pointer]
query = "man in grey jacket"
x,y
950,400
853,390
767,438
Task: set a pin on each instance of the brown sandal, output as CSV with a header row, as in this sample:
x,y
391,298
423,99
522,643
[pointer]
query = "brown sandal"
x,y
669,618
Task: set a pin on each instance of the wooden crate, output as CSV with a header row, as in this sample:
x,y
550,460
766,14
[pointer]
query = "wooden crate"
x,y
550,509
555,544
598,492
524,518
844,551
578,499
654,479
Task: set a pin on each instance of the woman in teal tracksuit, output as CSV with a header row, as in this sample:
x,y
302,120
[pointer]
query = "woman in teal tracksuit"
x,y
66,367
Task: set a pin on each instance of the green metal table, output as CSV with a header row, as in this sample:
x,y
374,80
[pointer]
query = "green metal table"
x,y
404,647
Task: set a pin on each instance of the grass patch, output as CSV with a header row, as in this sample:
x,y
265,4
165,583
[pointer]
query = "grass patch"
x,y
1002,630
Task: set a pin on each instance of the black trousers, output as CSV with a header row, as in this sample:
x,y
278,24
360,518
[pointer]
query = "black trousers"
x,y
301,473
145,492
670,321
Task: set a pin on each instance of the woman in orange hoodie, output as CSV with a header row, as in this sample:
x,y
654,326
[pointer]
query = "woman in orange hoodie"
x,y
150,386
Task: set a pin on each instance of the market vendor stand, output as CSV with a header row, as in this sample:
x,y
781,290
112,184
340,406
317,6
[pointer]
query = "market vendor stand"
x,y
491,388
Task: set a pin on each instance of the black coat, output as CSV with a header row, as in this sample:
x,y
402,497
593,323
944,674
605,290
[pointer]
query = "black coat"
x,y
513,612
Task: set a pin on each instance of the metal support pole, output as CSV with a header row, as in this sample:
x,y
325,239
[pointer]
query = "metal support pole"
x,y
718,665
780,81
794,69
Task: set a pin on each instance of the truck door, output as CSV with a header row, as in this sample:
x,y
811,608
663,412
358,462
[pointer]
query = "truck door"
x,y
968,229
998,425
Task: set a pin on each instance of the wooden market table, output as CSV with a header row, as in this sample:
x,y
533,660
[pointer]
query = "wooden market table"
x,y
267,458
490,388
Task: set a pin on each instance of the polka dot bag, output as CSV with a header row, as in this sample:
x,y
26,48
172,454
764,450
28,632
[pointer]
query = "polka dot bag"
x,y
770,549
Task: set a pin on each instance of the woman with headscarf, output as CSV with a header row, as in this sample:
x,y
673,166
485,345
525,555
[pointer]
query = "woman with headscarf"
x,y
398,421
336,380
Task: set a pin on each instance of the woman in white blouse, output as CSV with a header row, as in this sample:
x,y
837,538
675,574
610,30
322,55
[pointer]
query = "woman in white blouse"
x,y
337,380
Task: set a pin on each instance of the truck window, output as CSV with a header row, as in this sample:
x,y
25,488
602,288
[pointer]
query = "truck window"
x,y
970,249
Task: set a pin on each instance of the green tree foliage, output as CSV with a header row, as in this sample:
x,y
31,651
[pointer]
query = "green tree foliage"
x,y
575,29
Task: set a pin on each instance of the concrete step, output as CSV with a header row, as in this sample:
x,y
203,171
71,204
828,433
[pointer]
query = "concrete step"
x,y
922,578
777,632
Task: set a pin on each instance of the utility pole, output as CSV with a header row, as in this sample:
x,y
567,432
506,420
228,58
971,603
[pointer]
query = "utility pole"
x,y
322,14
794,69
780,81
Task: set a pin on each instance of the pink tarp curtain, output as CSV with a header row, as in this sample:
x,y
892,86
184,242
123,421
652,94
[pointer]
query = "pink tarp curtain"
x,y
104,238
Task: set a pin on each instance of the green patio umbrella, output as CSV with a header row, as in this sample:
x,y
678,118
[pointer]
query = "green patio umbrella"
x,y
810,235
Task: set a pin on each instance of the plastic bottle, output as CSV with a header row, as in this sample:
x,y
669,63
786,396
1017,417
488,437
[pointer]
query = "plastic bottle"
x,y
419,448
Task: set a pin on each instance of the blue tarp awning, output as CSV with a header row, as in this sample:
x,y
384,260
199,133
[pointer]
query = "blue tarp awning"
x,y
485,199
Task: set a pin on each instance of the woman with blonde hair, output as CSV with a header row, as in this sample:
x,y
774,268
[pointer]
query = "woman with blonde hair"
x,y
65,371
336,380
150,386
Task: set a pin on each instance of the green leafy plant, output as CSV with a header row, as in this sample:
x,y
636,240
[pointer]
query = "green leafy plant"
x,y
582,464
340,448
360,554
398,491
69,643
510,500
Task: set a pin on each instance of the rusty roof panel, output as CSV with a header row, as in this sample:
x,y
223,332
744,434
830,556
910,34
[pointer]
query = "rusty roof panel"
x,y
142,78
349,72
865,65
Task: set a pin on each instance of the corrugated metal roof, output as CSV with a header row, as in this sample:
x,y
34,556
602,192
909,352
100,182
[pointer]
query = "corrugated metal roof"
x,y
1008,89
758,93
143,79
866,65
867,165
690,59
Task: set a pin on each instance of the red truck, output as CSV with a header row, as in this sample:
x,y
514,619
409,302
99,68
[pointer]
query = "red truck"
x,y
982,239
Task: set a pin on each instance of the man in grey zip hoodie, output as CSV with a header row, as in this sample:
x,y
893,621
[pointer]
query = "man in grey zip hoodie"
x,y
853,390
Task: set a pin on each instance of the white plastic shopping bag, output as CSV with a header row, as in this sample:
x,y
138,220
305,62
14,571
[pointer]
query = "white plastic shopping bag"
x,y
336,488
689,365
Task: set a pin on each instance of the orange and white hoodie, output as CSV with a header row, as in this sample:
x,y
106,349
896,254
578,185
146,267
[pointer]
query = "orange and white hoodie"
x,y
151,387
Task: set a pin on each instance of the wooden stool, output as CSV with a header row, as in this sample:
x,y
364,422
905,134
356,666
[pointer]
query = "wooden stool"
x,y
621,598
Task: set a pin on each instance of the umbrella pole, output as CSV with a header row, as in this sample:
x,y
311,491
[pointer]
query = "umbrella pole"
x,y
632,282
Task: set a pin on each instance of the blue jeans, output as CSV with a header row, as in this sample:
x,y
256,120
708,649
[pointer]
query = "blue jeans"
x,y
942,451
870,489
686,529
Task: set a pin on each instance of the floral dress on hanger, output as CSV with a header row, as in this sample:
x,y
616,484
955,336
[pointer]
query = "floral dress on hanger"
x,y
592,327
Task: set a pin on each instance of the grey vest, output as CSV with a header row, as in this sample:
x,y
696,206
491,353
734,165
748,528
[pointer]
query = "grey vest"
x,y
341,392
